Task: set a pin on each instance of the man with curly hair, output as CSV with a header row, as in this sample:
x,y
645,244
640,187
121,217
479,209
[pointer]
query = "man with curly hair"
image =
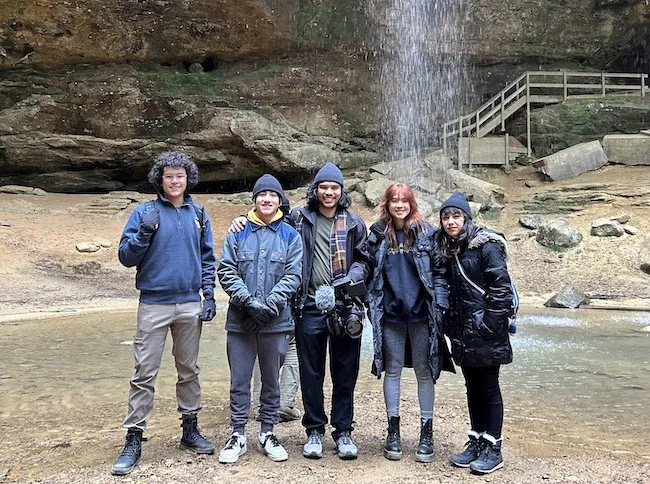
x,y
169,241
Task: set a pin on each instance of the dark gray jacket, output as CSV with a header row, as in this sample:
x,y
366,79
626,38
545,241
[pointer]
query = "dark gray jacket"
x,y
264,262
432,276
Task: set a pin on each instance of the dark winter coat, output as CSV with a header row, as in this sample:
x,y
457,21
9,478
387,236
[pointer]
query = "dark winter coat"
x,y
304,221
432,276
478,324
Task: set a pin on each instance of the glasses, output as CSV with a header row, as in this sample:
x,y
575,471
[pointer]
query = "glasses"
x,y
175,177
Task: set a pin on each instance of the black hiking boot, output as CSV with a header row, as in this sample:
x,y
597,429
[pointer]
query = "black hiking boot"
x,y
130,454
393,447
470,452
424,452
192,438
489,460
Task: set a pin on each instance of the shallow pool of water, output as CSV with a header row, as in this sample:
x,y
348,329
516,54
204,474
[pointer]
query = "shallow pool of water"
x,y
579,381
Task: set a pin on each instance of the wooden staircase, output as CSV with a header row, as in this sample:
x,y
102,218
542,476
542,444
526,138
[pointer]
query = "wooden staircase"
x,y
532,87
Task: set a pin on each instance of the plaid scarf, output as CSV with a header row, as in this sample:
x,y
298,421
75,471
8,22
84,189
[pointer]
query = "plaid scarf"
x,y
338,239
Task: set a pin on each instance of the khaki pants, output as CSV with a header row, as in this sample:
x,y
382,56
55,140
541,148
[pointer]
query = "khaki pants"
x,y
153,322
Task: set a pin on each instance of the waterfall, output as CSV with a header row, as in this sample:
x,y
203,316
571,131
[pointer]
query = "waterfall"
x,y
419,46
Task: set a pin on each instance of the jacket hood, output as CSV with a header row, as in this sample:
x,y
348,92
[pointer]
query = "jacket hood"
x,y
483,236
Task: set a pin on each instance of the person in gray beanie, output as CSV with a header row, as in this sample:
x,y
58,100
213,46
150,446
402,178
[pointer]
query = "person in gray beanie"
x,y
169,241
260,270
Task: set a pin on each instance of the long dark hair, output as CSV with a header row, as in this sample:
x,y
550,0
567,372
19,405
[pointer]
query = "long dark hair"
x,y
312,198
448,246
386,219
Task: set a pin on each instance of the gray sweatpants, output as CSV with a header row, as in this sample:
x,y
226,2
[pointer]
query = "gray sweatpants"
x,y
242,349
154,320
289,379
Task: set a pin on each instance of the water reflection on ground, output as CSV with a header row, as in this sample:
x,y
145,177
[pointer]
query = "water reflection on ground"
x,y
580,380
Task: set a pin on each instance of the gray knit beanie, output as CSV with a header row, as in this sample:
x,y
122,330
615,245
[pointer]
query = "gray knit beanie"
x,y
330,172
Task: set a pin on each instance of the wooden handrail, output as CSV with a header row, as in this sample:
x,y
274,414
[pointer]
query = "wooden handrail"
x,y
499,103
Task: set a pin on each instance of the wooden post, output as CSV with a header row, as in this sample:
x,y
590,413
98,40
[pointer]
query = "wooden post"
x,y
528,145
503,121
477,120
602,80
643,78
469,152
566,90
507,151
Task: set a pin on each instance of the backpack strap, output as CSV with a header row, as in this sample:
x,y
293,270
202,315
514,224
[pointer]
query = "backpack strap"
x,y
200,214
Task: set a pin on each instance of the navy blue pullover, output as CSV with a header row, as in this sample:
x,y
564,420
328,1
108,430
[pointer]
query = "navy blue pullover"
x,y
177,261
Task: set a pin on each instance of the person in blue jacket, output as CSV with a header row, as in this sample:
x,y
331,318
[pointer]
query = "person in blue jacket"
x,y
169,241
260,269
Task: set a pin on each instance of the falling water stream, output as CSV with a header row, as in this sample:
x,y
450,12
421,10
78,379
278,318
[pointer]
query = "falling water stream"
x,y
579,383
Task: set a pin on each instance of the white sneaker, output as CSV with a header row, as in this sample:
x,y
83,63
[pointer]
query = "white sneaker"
x,y
234,448
268,443
313,448
345,447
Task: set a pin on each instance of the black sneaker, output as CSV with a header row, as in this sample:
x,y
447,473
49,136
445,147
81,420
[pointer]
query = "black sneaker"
x,y
489,460
130,455
470,452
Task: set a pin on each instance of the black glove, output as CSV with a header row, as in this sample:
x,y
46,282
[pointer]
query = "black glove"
x,y
274,305
209,310
149,222
259,311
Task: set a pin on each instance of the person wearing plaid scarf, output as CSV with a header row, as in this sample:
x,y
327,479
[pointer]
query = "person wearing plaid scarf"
x,y
334,242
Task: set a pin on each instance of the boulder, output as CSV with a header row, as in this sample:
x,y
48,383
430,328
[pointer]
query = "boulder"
x,y
627,149
567,297
645,267
622,218
573,161
531,221
21,190
603,227
485,193
87,247
558,235
375,189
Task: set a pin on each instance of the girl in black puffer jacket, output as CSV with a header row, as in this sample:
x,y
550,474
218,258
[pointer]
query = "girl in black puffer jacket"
x,y
477,325
407,296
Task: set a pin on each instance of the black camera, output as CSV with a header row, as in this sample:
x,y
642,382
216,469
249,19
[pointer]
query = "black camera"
x,y
349,312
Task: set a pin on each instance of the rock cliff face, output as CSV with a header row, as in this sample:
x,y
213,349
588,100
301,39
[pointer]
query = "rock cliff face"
x,y
91,90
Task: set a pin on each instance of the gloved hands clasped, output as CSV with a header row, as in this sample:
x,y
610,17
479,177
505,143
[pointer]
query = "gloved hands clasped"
x,y
149,222
260,313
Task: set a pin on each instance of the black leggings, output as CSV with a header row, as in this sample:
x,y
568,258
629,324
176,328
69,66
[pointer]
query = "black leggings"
x,y
484,399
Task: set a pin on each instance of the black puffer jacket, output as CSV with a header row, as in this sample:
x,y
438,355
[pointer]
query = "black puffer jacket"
x,y
478,324
432,276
